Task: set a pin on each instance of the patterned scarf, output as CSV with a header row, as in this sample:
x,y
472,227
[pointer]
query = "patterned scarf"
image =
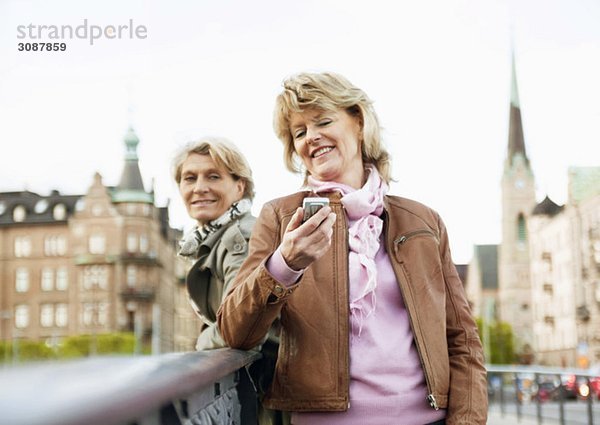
x,y
363,207
189,246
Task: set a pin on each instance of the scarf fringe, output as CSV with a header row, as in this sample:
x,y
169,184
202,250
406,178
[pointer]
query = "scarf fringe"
x,y
363,206
189,245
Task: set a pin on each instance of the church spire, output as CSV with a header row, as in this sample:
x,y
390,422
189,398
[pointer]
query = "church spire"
x,y
131,185
131,178
516,140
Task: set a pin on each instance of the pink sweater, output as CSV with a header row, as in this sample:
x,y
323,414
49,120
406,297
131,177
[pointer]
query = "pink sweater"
x,y
387,385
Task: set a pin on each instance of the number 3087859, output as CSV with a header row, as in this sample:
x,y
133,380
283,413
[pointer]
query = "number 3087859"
x,y
41,47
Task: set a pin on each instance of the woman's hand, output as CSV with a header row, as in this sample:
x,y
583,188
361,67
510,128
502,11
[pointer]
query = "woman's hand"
x,y
306,242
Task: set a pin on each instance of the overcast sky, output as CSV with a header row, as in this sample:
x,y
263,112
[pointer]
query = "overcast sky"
x,y
437,70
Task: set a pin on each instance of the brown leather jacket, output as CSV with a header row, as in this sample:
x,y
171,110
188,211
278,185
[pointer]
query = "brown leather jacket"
x,y
312,371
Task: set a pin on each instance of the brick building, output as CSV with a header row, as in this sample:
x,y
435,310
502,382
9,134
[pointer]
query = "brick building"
x,y
100,262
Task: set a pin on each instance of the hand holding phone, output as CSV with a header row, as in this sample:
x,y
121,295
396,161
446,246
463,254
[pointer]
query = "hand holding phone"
x,y
312,205
303,243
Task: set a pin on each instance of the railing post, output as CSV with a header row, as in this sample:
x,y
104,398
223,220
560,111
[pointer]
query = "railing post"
x,y
590,412
561,401
502,407
517,399
538,402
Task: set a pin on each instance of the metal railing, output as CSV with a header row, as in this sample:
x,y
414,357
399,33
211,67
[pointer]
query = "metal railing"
x,y
213,387
546,395
209,387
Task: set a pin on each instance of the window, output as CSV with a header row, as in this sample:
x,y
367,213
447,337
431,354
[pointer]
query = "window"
x,y
22,279
19,213
62,279
59,212
521,229
95,276
94,314
21,316
131,276
102,313
87,314
61,315
97,210
47,283
97,244
132,242
80,205
55,245
596,247
41,206
47,315
143,244
22,246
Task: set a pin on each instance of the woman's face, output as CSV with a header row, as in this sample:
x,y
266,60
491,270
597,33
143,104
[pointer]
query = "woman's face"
x,y
329,145
207,189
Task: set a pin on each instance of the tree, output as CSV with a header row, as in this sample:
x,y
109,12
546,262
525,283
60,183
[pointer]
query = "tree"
x,y
501,343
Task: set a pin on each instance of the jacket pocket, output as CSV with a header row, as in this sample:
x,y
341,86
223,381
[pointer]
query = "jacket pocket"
x,y
419,253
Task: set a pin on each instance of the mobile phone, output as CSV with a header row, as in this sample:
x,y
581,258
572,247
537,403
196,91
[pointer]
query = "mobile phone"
x,y
312,205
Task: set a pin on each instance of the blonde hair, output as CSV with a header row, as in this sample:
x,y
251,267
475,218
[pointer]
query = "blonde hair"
x,y
328,91
224,153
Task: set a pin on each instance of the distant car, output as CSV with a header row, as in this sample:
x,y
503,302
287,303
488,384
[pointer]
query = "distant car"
x,y
595,386
548,389
569,389
591,389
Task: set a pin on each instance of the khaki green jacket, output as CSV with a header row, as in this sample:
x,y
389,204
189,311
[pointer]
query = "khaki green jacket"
x,y
210,278
312,372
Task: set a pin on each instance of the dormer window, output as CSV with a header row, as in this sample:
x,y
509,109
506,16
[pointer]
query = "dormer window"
x,y
19,213
41,206
2,207
59,212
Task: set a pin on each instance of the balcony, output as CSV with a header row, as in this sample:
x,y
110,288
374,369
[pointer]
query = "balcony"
x,y
88,259
147,259
138,294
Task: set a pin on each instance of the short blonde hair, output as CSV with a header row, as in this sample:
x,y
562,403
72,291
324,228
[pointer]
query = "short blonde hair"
x,y
329,92
224,153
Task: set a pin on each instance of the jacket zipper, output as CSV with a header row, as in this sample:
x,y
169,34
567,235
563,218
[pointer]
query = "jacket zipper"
x,y
412,234
401,240
347,250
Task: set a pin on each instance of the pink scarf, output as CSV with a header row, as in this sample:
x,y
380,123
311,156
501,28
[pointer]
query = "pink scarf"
x,y
363,207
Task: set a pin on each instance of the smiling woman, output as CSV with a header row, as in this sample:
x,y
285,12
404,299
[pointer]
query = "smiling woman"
x,y
375,321
215,182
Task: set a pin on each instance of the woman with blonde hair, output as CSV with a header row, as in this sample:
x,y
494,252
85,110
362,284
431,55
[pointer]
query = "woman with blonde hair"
x,y
376,328
216,185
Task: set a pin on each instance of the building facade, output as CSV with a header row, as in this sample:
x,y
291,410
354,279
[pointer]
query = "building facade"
x,y
100,262
553,252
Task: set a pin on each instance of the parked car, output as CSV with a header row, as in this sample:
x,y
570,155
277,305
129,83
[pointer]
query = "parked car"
x,y
569,388
591,389
548,389
595,387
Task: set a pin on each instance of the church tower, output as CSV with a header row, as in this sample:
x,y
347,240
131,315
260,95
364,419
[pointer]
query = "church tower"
x,y
518,201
